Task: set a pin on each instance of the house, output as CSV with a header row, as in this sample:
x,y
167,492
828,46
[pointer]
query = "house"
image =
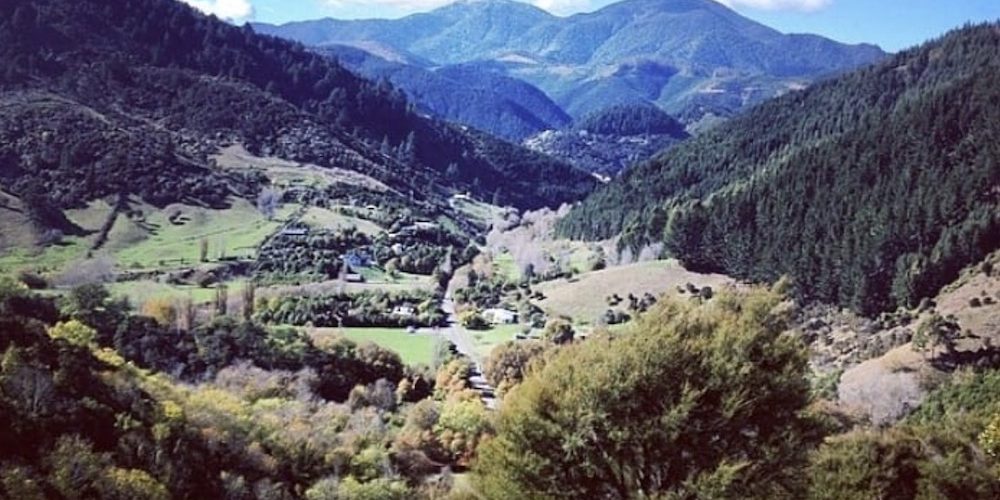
x,y
295,231
425,226
357,260
498,316
404,311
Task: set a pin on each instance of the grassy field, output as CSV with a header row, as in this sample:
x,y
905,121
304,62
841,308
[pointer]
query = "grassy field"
x,y
504,265
584,297
143,290
483,213
413,349
237,230
285,173
146,243
485,341
323,218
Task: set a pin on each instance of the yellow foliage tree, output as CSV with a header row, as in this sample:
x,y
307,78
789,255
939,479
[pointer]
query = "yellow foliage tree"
x,y
74,332
161,309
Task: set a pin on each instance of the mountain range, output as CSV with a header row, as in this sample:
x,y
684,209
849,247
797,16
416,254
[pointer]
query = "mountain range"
x,y
132,97
696,59
487,100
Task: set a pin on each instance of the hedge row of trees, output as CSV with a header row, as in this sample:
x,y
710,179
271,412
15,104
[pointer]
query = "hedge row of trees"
x,y
369,308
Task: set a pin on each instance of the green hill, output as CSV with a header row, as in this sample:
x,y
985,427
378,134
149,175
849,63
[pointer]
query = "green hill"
x,y
872,190
132,96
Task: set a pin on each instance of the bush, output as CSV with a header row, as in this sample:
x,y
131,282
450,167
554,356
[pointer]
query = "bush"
x,y
32,280
559,331
665,397
907,462
474,321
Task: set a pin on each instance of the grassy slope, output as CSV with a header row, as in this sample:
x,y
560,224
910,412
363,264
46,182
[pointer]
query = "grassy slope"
x,y
879,387
237,230
323,218
583,298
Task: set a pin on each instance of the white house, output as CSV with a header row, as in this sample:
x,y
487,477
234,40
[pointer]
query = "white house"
x,y
404,311
498,316
425,226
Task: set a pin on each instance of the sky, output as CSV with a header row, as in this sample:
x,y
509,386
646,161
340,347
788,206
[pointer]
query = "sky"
x,y
892,24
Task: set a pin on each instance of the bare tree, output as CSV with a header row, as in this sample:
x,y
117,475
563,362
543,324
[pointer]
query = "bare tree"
x,y
249,298
100,269
187,314
203,250
268,202
221,300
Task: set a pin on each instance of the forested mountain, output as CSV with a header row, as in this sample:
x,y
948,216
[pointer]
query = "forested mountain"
x,y
694,58
466,94
871,190
609,141
131,96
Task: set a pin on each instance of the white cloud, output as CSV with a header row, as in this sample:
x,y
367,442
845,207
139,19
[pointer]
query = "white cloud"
x,y
409,5
800,5
232,10
563,6
554,6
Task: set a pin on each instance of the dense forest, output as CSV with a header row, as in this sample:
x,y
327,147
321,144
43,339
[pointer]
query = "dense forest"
x,y
631,120
609,141
136,93
872,190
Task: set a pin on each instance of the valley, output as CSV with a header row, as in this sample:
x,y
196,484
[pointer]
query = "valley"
x,y
655,250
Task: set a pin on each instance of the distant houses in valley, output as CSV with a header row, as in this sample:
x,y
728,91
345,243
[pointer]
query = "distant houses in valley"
x,y
498,316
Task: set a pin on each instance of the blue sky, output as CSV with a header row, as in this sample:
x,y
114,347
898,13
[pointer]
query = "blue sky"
x,y
892,24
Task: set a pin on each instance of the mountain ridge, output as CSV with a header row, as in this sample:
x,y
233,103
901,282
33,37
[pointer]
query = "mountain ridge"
x,y
709,61
142,101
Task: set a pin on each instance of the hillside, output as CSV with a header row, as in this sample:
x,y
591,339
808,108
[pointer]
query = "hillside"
x,y
469,95
871,190
609,141
132,96
694,58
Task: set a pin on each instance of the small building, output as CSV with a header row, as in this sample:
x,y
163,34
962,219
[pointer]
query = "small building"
x,y
354,278
357,260
498,316
404,311
425,226
295,232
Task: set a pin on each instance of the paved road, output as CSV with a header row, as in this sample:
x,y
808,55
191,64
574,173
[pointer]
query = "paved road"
x,y
465,345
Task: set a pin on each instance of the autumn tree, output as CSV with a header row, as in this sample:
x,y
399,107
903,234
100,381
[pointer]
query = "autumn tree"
x,y
559,331
508,363
74,332
161,309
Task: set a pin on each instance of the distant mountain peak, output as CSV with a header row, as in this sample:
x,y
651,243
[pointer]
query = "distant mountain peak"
x,y
683,46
